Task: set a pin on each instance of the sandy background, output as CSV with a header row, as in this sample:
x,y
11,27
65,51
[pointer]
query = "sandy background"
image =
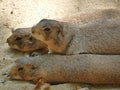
x,y
26,13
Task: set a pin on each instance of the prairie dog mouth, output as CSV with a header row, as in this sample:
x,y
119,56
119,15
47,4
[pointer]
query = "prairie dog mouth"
x,y
38,37
15,77
15,46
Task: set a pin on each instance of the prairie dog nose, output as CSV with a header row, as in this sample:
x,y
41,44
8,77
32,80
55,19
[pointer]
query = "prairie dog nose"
x,y
7,41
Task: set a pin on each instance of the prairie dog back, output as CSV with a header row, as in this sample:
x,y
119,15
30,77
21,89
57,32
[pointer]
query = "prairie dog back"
x,y
100,37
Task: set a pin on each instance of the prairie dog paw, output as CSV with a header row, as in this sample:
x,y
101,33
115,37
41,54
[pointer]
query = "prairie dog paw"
x,y
83,89
46,86
49,50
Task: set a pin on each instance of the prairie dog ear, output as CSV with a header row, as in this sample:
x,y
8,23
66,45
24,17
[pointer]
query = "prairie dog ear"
x,y
44,20
12,30
61,30
30,66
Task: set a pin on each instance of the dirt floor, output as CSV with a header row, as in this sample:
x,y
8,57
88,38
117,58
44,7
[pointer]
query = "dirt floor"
x,y
26,13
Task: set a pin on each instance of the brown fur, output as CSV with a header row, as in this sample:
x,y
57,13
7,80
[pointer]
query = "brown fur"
x,y
101,37
93,69
52,35
22,40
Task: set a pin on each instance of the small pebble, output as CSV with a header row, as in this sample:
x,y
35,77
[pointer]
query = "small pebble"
x,y
3,58
2,81
5,74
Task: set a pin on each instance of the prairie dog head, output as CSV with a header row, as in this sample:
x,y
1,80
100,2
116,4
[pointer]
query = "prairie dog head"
x,y
47,30
22,40
16,40
28,69
22,72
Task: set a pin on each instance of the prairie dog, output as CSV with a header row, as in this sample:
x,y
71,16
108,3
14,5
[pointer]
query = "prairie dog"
x,y
84,68
22,40
98,37
51,33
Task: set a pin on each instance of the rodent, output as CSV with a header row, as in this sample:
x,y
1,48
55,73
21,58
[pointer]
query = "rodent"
x,y
98,37
51,33
84,68
22,40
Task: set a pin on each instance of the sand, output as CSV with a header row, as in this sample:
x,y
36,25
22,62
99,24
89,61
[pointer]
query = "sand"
x,y
26,13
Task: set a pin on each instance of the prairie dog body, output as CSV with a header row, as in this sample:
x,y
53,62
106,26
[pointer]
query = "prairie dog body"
x,y
99,37
22,40
93,69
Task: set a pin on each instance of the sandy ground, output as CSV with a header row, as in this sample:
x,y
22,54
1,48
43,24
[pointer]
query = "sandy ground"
x,y
25,13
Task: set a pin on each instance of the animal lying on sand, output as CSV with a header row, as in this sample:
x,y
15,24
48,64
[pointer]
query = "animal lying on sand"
x,y
91,69
99,37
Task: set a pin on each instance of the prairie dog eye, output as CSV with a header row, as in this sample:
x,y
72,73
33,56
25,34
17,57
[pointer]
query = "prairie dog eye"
x,y
31,39
18,38
20,69
47,29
